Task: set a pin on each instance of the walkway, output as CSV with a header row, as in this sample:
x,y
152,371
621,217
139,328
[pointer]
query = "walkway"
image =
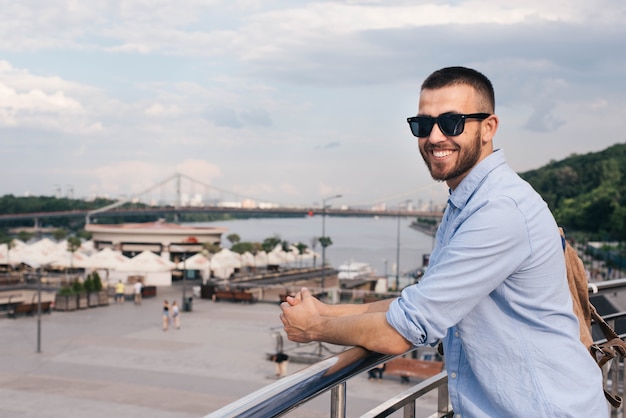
x,y
116,361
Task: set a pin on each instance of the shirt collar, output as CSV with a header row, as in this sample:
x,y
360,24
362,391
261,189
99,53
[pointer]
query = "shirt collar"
x,y
461,195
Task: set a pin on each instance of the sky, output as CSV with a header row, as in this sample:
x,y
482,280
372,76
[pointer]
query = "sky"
x,y
290,101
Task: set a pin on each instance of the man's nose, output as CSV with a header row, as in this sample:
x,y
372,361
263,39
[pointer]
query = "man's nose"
x,y
436,136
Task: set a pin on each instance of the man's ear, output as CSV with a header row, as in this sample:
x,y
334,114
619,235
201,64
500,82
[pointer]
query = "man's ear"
x,y
489,128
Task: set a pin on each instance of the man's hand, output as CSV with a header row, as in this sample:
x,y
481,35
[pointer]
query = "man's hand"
x,y
300,316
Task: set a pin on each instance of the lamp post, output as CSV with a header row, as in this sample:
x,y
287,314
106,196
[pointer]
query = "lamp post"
x,y
38,309
324,235
186,307
182,250
406,202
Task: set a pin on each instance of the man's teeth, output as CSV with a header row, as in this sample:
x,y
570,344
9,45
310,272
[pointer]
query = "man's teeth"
x,y
442,153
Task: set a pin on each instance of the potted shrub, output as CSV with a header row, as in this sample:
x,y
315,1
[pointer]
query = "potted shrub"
x,y
65,299
81,295
103,296
92,295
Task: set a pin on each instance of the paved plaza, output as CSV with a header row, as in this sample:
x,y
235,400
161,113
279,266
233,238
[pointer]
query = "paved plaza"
x,y
117,361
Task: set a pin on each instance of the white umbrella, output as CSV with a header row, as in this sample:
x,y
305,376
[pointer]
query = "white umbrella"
x,y
227,258
260,259
146,262
195,262
247,259
68,259
220,269
275,258
107,259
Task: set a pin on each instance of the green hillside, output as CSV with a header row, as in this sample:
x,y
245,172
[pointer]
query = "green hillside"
x,y
586,193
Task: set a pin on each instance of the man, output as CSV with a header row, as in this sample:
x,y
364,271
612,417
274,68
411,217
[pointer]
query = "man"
x,y
495,291
119,292
137,290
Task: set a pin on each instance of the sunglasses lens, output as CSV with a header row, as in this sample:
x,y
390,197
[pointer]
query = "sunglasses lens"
x,y
421,126
451,125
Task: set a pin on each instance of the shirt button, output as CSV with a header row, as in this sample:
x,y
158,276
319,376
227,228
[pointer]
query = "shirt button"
x,y
456,334
453,375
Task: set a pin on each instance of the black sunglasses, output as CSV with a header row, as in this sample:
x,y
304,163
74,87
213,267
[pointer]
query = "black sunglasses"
x,y
450,124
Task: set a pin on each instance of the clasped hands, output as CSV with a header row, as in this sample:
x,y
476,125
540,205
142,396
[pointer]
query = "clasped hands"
x,y
301,316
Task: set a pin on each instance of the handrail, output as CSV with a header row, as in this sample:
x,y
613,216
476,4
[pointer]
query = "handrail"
x,y
287,393
332,373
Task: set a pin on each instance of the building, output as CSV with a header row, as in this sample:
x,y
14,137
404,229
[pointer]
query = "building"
x,y
165,239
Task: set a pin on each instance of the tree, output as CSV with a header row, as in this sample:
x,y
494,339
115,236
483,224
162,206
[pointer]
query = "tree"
x,y
211,248
301,249
10,243
242,247
233,238
59,234
270,243
24,235
86,235
73,244
325,242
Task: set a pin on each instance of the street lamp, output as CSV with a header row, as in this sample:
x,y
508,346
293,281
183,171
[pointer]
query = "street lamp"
x,y
324,235
180,249
406,202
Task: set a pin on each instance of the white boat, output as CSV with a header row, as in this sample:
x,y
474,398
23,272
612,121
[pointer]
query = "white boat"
x,y
355,270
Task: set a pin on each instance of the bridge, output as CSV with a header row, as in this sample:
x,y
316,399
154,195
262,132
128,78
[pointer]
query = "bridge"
x,y
179,195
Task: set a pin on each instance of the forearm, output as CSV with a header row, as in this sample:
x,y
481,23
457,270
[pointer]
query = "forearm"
x,y
369,330
356,309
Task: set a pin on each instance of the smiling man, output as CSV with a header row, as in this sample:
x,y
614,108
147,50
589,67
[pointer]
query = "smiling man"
x,y
496,289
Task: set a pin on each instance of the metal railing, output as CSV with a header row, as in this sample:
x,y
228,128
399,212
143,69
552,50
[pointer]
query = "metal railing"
x,y
333,373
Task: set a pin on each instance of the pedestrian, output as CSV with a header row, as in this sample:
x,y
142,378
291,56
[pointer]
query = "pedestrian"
x,y
496,290
119,292
166,315
137,290
281,360
376,373
175,315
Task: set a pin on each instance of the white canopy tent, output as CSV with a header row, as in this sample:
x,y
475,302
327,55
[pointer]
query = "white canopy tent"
x,y
156,270
67,259
197,262
106,260
260,259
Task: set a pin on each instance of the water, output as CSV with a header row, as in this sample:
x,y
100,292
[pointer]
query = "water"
x,y
370,240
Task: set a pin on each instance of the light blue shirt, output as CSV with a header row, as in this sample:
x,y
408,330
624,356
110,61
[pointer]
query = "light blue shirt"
x,y
496,291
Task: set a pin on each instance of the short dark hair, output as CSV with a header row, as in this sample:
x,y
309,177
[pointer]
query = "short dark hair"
x,y
461,75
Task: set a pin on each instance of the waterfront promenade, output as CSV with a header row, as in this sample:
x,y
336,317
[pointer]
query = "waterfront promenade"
x,y
116,361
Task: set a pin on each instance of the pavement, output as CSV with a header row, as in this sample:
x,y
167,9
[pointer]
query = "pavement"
x,y
117,361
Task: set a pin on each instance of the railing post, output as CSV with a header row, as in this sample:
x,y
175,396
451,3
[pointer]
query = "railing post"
x,y
443,399
338,401
409,410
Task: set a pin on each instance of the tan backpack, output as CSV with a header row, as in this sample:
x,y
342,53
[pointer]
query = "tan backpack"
x,y
614,347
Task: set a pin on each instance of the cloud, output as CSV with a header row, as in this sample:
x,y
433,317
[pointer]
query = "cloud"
x,y
112,97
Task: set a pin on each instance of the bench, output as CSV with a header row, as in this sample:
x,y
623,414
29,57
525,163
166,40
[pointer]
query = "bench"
x,y
8,301
233,296
406,368
29,309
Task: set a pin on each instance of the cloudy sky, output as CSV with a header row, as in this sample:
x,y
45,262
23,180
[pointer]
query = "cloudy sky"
x,y
290,101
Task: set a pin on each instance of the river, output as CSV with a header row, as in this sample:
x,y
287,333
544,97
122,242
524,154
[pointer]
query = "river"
x,y
370,240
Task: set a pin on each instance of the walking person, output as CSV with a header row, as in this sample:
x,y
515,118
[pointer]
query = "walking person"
x,y
496,290
166,315
175,315
282,361
137,287
119,292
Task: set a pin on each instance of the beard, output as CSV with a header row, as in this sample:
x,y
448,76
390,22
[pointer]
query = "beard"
x,y
467,159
